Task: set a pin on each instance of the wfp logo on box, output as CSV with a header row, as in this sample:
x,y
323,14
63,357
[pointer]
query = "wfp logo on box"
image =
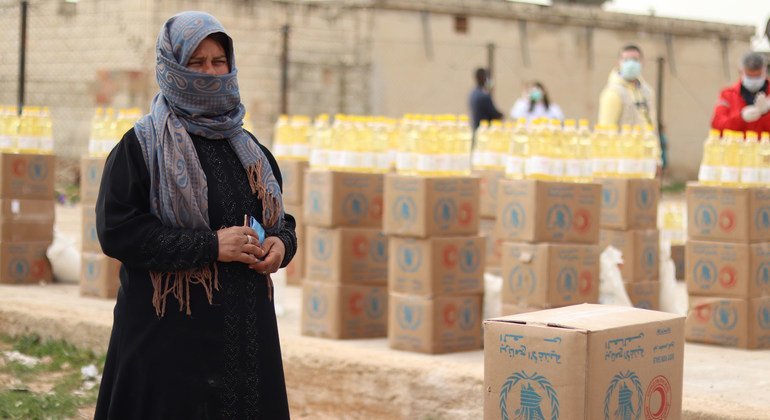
x,y
409,317
316,305
763,276
91,174
374,307
624,397
404,210
315,202
521,280
644,198
762,218
763,316
444,213
725,316
704,274
91,270
648,257
529,396
609,196
378,250
463,316
322,248
469,258
18,269
37,170
513,217
354,207
567,282
409,258
559,217
705,217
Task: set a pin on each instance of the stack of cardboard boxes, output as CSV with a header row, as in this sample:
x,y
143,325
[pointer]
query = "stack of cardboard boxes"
x,y
98,272
489,179
728,266
26,217
436,269
344,292
293,177
550,256
629,223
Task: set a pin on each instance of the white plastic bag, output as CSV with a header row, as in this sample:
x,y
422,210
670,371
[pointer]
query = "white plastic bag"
x,y
493,285
673,296
611,289
64,256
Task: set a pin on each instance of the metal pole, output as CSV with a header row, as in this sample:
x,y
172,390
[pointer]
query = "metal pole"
x,y
490,62
22,54
285,70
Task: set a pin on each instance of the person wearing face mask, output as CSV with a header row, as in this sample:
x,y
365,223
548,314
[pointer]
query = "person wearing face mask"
x,y
627,98
534,103
480,102
745,105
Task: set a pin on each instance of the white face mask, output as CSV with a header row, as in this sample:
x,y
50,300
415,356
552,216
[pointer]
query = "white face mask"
x,y
752,84
630,69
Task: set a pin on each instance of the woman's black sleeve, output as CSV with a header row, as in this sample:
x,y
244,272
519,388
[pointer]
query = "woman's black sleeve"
x,y
129,232
288,234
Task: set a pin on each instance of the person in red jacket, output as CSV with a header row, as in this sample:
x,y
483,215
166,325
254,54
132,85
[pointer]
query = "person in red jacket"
x,y
745,105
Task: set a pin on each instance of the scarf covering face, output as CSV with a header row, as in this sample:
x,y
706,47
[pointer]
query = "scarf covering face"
x,y
205,105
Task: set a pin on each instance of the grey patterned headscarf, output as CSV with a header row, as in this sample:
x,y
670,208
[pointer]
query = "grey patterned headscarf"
x,y
207,105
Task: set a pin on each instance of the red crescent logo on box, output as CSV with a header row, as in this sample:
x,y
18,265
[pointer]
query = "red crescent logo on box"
x,y
660,389
727,220
585,282
703,313
360,246
37,268
356,303
375,208
450,315
19,167
465,215
581,220
449,256
727,276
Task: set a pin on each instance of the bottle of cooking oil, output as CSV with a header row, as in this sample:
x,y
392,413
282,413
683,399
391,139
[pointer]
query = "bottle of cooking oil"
x,y
730,171
462,138
498,145
95,141
750,160
585,150
281,148
538,161
600,148
625,158
29,130
518,151
573,166
652,152
46,131
320,142
708,174
9,129
613,154
556,150
764,153
481,150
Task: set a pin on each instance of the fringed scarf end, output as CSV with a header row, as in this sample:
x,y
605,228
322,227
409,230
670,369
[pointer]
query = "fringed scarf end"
x,y
178,284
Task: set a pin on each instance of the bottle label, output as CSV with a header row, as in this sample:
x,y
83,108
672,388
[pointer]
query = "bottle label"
x,y
382,161
573,168
404,162
730,174
539,165
707,173
367,160
318,158
301,150
281,150
514,167
46,144
587,168
764,175
28,143
750,175
485,159
557,167
349,160
628,166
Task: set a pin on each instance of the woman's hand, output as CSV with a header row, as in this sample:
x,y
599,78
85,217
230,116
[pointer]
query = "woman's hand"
x,y
274,251
239,243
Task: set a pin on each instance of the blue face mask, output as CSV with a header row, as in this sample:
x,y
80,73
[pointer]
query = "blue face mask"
x,y
630,70
752,84
535,95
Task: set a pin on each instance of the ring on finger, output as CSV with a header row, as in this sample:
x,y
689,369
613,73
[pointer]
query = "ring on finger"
x,y
248,239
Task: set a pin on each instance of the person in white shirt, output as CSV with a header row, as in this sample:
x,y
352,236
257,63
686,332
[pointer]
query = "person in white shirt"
x,y
534,103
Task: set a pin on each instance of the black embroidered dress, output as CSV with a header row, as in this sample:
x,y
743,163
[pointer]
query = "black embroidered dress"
x,y
223,361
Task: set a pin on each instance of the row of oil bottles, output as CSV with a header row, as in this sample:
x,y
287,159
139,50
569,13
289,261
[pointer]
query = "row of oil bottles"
x,y
440,145
731,160
30,132
108,126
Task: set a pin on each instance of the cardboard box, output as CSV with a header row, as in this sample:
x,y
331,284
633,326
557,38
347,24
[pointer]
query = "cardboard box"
x,y
743,323
550,274
346,256
342,199
513,309
494,247
644,294
26,232
640,249
630,203
295,271
90,240
678,256
488,180
727,270
24,262
29,176
443,265
293,177
727,214
19,210
541,211
91,169
297,212
99,275
344,311
423,207
584,362
442,324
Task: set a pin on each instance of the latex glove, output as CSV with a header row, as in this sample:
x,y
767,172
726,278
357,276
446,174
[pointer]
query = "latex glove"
x,y
762,102
750,113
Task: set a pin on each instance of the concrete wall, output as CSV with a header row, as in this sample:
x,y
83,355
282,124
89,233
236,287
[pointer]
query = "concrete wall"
x,y
389,57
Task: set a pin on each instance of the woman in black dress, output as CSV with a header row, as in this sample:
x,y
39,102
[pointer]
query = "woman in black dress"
x,y
194,334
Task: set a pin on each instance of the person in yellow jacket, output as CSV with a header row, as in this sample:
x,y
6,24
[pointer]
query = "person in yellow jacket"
x,y
627,98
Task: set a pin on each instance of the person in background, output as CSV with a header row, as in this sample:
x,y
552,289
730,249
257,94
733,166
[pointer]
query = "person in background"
x,y
535,103
194,333
627,98
745,105
480,102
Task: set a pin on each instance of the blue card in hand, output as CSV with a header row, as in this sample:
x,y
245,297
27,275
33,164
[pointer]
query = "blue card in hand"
x,y
257,228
